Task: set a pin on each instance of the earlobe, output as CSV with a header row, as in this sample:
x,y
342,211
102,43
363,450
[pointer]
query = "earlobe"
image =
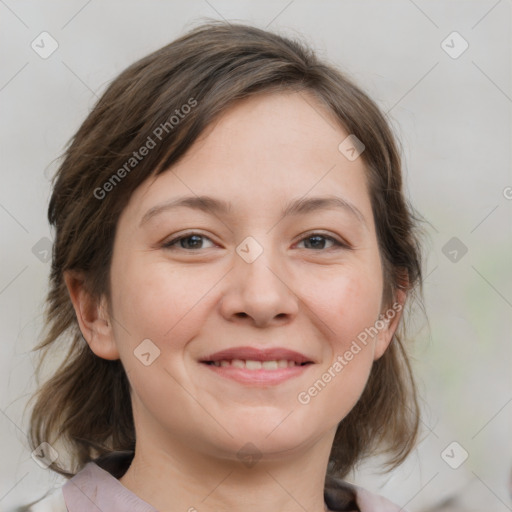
x,y
390,319
92,317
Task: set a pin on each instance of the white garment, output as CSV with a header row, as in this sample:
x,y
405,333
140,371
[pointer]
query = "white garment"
x,y
54,502
367,501
95,489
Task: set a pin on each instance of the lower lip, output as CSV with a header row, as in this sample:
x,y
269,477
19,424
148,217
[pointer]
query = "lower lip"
x,y
258,377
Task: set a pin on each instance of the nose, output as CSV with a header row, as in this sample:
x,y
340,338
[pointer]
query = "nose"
x,y
260,293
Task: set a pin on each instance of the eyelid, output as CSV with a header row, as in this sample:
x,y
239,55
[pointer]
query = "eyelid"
x,y
175,239
338,241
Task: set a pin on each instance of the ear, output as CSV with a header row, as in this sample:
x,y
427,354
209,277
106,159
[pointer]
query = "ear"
x,y
389,320
92,317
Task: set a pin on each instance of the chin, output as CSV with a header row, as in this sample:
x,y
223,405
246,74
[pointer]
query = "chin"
x,y
273,441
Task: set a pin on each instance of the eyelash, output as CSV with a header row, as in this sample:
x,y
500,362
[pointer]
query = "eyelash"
x,y
169,244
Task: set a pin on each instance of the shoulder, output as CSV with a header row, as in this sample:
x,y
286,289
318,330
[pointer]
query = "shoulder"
x,y
53,502
340,495
370,502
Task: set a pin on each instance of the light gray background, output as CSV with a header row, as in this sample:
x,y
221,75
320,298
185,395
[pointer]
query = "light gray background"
x,y
454,119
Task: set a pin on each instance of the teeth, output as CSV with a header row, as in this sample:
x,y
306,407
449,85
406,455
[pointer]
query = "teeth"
x,y
257,365
253,365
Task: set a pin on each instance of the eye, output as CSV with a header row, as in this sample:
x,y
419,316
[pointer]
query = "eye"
x,y
189,241
192,241
317,241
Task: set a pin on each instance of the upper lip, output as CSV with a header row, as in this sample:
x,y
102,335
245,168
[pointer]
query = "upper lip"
x,y
258,354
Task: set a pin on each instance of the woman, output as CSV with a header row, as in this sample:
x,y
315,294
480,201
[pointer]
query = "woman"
x,y
233,253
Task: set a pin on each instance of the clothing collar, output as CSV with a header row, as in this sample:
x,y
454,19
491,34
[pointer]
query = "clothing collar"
x,y
96,488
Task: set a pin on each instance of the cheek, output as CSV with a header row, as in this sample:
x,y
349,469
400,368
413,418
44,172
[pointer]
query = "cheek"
x,y
348,307
153,300
348,303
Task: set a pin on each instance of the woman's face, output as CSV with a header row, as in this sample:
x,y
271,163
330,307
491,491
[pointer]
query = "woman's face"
x,y
266,263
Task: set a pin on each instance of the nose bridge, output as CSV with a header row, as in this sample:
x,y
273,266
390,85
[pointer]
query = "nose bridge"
x,y
258,260
259,288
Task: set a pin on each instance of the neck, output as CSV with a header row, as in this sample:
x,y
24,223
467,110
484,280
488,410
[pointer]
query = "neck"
x,y
172,476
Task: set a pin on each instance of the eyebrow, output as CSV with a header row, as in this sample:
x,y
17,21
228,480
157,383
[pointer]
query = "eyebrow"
x,y
299,206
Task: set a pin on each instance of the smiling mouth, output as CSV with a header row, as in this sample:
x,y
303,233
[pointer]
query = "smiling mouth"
x,y
254,373
258,366
248,364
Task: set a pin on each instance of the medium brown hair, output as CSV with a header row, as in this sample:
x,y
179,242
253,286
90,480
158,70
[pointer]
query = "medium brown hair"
x,y
86,403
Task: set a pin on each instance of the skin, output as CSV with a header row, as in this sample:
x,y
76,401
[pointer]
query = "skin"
x,y
310,296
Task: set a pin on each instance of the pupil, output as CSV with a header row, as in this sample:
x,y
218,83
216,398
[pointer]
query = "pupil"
x,y
319,239
196,238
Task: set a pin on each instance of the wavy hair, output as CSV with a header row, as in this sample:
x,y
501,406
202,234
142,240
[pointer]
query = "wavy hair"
x,y
86,402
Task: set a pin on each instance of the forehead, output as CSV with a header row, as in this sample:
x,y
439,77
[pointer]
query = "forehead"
x,y
291,125
264,150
